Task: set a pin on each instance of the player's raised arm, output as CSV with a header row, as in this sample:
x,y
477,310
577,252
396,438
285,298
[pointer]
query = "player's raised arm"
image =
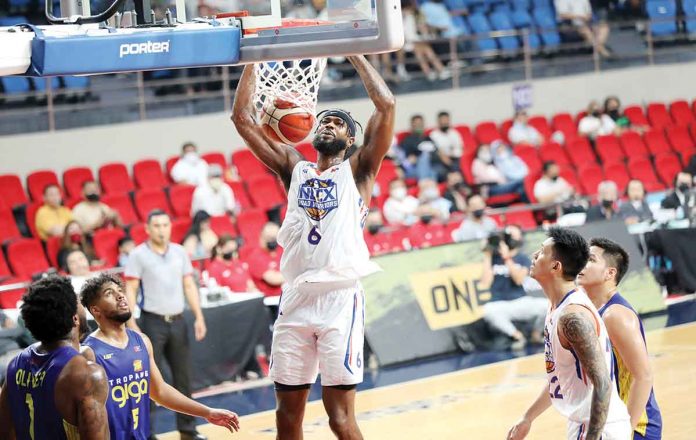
x,y
577,331
379,132
280,158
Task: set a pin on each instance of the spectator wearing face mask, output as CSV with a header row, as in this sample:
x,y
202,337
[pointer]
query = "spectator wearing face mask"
x,y
595,123
226,267
432,205
190,169
214,197
551,187
449,146
636,209
400,207
413,146
457,191
486,172
92,214
477,225
264,262
125,247
374,222
200,238
523,133
605,209
74,239
681,199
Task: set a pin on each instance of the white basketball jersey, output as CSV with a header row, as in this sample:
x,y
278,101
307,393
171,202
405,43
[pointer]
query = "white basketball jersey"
x,y
569,387
322,234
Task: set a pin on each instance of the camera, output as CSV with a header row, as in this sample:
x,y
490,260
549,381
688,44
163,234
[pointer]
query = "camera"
x,y
494,240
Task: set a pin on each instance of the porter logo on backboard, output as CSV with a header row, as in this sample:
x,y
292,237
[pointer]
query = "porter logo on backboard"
x,y
450,297
143,48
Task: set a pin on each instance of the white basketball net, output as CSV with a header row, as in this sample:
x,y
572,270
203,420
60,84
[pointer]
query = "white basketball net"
x,y
293,81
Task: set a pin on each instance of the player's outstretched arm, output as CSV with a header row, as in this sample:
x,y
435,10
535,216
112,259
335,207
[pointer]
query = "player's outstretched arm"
x,y
379,132
520,430
7,430
623,327
578,331
169,397
90,393
281,159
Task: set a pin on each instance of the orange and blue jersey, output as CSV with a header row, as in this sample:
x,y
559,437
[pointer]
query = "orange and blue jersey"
x,y
31,381
650,424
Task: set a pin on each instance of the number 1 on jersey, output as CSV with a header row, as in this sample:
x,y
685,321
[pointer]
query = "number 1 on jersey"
x,y
30,403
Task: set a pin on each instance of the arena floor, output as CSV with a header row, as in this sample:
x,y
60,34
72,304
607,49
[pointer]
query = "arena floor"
x,y
483,402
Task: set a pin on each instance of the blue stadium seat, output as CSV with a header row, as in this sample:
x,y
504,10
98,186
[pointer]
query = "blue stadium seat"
x,y
40,83
521,5
454,5
19,4
480,26
15,84
461,25
11,21
75,82
662,10
522,20
689,7
542,4
546,21
500,21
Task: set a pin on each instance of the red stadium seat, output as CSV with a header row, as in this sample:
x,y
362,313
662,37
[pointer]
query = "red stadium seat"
x,y
470,143
400,136
5,273
421,236
609,149
37,182
617,173
633,145
530,156
487,132
635,114
168,165
180,197
377,244
580,152
385,175
542,125
681,113
223,225
9,299
248,165
524,219
681,142
148,174
147,200
571,177
552,151
240,195
640,168
114,178
667,166
105,243
398,240
180,228
590,176
529,182
11,191
215,158
265,192
564,123
26,257
138,233
31,218
8,225
658,116
504,129
53,245
74,178
250,223
656,142
121,203
307,151
465,163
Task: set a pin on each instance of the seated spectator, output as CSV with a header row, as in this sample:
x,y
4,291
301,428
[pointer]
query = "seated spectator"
x,y
374,222
92,214
505,269
413,147
605,209
432,205
416,35
477,224
438,18
523,133
513,168
52,216
449,146
578,15
612,109
595,123
457,191
190,169
400,207
681,199
635,209
264,262
125,247
551,187
486,172
226,267
9,342
200,238
214,197
75,239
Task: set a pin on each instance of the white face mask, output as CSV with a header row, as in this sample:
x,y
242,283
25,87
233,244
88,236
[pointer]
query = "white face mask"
x,y
215,183
399,193
431,194
485,156
191,157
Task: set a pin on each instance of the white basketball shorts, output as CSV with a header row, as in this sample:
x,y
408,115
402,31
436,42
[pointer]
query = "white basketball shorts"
x,y
319,332
620,430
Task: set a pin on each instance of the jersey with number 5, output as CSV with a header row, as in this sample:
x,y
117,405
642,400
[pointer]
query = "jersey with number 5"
x,y
570,388
31,381
322,234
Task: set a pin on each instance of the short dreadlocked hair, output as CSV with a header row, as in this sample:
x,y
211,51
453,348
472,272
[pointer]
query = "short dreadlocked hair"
x,y
92,288
48,308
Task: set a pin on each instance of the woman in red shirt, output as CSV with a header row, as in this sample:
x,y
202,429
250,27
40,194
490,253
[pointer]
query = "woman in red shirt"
x,y
226,267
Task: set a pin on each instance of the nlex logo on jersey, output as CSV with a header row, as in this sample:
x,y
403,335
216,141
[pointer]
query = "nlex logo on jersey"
x,y
318,197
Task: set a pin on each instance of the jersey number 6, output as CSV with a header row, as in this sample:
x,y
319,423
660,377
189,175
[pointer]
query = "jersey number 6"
x,y
314,236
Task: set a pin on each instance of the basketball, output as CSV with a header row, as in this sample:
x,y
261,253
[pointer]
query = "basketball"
x,y
286,122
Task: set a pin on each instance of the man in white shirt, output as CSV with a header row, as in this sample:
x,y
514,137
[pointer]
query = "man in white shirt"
x,y
214,197
401,208
449,146
552,188
578,14
434,206
190,169
595,123
477,225
523,133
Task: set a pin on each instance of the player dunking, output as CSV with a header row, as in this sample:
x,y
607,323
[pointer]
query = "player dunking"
x,y
321,313
607,266
577,349
51,391
128,360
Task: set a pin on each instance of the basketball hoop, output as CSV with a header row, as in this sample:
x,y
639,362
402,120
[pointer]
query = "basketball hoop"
x,y
291,81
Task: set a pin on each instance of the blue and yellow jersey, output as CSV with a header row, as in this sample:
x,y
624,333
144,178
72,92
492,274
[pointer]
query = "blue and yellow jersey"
x,y
650,424
31,381
128,373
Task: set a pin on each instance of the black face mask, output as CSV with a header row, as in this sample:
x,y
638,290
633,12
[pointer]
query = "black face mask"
x,y
684,187
458,186
614,114
229,256
92,197
272,245
478,213
596,113
426,219
554,178
444,127
606,204
329,148
373,229
514,244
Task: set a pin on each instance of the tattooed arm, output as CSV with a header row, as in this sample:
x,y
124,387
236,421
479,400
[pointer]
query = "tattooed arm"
x,y
578,330
92,420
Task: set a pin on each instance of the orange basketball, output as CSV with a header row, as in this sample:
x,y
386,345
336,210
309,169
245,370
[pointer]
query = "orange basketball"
x,y
286,122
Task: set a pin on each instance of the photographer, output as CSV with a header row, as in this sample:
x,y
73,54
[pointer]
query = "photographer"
x,y
505,269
